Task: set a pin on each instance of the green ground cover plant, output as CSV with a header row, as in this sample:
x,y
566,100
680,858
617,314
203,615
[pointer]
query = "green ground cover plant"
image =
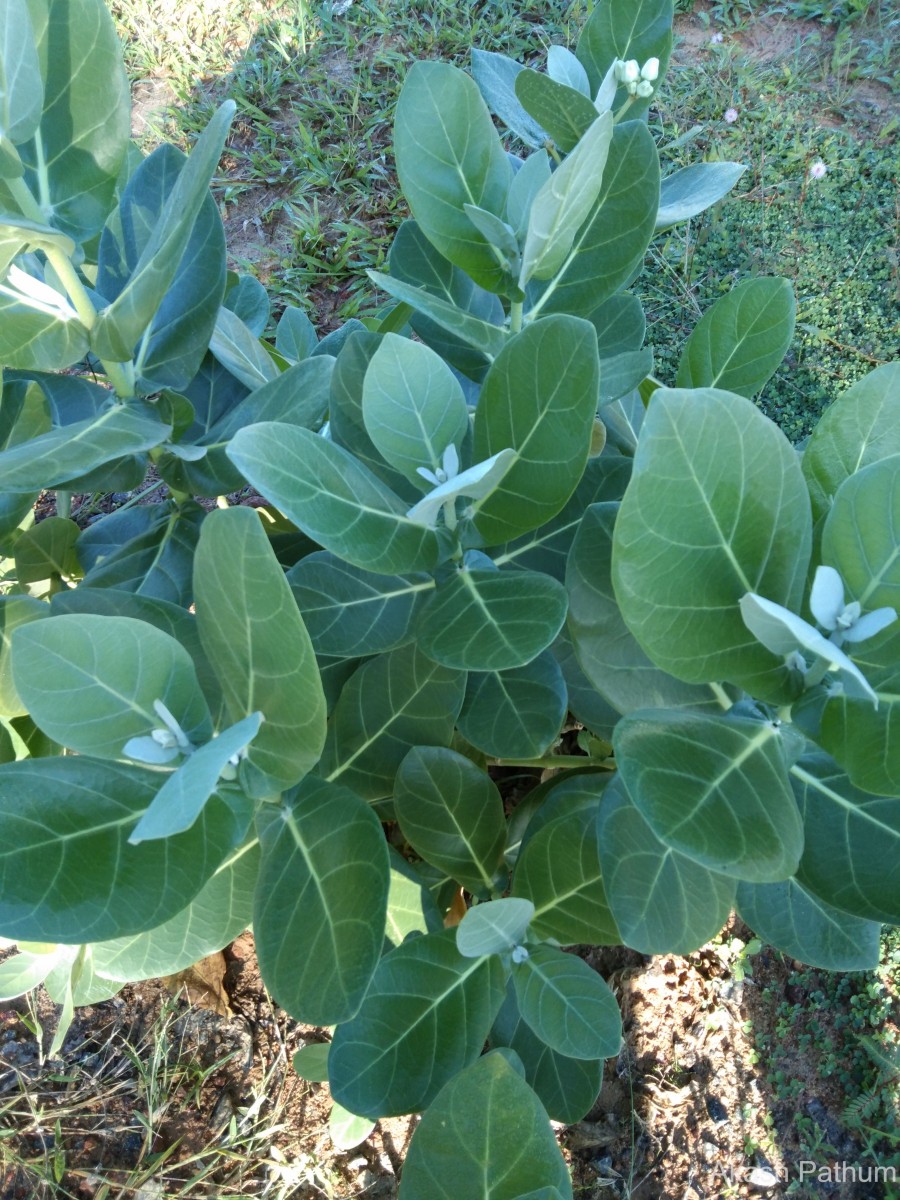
x,y
484,513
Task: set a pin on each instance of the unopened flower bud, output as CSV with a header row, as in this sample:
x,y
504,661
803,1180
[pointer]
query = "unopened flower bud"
x,y
631,71
650,69
644,89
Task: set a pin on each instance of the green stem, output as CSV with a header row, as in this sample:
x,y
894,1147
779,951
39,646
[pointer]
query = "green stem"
x,y
119,374
21,193
721,695
516,309
623,110
551,761
64,504
552,151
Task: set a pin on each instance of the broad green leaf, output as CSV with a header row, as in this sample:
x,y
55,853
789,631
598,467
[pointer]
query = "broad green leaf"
x,y
861,536
178,330
564,202
413,407
221,910
565,113
346,422
24,971
416,263
180,800
567,1004
611,244
350,612
861,427
577,790
547,547
74,158
47,550
119,327
334,499
39,330
564,67
91,683
585,702
623,373
295,335
246,297
14,612
255,639
851,857
527,183
497,232
740,341
715,789
311,1062
411,907
559,871
485,1137
67,873
486,337
566,1087
55,457
494,928
516,713
21,86
716,508
539,398
609,655
862,737
240,351
491,620
620,324
640,29
449,154
801,925
663,902
496,76
147,550
451,814
346,1129
424,1018
395,701
321,899
692,190
298,396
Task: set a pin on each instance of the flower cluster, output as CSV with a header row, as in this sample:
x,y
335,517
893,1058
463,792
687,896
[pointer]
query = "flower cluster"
x,y
637,79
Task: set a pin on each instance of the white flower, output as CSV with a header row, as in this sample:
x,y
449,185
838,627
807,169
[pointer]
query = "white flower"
x,y
628,72
731,115
818,170
643,89
448,469
650,70
844,621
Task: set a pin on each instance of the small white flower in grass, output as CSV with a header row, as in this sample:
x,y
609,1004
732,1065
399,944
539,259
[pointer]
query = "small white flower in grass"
x,y
717,39
818,170
730,116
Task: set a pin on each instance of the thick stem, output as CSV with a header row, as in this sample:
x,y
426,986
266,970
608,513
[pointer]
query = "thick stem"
x,y
23,197
516,309
118,374
721,695
64,504
552,761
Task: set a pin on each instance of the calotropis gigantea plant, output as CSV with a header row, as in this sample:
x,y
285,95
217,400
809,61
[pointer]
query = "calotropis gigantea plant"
x,y
208,721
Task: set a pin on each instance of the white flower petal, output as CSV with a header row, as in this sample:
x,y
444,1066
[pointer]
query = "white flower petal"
x,y
870,624
826,600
